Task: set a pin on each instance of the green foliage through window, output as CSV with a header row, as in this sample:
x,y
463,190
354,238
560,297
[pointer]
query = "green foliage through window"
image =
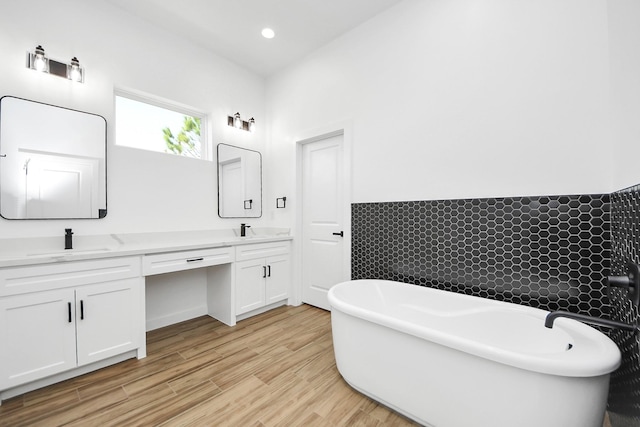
x,y
187,141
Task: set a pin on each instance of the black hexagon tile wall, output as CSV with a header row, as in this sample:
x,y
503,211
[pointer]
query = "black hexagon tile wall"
x,y
547,252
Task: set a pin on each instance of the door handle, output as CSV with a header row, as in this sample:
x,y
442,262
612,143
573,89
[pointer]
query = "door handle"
x,y
341,234
69,311
264,272
269,271
81,310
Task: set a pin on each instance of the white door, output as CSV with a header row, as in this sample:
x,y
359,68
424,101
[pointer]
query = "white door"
x,y
323,252
250,290
60,186
278,278
232,185
106,319
38,336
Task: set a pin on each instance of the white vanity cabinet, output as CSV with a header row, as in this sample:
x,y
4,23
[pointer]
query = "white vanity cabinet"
x,y
262,275
65,314
56,317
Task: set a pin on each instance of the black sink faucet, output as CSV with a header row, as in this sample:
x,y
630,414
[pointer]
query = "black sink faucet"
x,y
243,229
551,317
68,238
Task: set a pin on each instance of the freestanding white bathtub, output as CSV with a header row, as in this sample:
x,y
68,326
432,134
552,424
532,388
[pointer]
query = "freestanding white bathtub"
x,y
451,360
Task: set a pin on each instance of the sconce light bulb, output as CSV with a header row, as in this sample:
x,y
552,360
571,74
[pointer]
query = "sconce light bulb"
x,y
75,74
74,70
39,64
252,124
237,121
39,61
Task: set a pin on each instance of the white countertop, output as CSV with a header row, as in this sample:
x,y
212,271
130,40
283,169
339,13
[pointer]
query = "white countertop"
x,y
34,250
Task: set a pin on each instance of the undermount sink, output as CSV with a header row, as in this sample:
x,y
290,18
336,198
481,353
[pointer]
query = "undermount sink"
x,y
67,252
262,232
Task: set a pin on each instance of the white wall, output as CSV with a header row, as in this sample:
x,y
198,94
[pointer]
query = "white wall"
x,y
457,99
624,36
146,191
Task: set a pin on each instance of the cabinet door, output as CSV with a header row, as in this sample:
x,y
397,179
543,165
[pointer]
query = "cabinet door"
x,y
37,336
278,278
108,319
250,277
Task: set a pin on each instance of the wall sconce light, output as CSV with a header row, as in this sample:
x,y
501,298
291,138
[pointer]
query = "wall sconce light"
x,y
74,72
281,202
37,60
237,122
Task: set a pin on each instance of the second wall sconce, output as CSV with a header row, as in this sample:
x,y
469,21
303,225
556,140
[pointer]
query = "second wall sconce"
x,y
237,122
37,60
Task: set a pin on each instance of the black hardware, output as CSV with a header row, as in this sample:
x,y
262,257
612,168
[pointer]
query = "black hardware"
x,y
631,282
341,234
264,272
3,155
281,202
195,259
81,310
248,204
551,317
68,238
69,310
243,229
269,268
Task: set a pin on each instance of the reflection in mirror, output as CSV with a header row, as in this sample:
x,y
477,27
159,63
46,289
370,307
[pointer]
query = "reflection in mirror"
x,y
239,182
53,162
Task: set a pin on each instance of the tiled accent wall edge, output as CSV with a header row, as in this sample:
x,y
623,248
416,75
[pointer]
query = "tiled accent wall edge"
x,y
624,391
550,252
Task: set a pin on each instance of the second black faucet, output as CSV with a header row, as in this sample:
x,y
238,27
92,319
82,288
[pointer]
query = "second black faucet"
x,y
68,238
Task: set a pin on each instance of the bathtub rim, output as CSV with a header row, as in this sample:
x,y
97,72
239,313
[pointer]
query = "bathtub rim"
x,y
578,362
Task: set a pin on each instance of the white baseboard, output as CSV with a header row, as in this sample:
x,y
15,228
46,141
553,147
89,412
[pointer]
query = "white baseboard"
x,y
172,318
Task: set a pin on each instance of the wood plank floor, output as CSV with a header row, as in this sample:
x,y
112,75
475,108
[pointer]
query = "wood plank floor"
x,y
275,369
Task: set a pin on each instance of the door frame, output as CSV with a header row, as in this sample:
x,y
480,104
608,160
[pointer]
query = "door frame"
x,y
345,129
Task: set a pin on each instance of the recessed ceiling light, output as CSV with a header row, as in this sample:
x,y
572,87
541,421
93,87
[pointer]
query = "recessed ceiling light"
x,y
268,33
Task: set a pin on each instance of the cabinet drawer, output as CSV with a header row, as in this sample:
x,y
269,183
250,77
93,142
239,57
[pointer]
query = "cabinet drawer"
x,y
261,250
44,277
185,260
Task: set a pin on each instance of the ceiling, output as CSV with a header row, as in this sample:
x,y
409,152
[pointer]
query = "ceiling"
x,y
231,28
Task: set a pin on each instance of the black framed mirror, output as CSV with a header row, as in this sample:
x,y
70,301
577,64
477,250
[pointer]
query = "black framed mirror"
x,y
239,182
52,161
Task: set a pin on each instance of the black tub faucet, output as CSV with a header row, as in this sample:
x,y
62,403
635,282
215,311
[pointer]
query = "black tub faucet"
x,y
243,229
551,317
68,238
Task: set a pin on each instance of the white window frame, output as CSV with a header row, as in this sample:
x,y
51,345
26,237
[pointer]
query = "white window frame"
x,y
205,148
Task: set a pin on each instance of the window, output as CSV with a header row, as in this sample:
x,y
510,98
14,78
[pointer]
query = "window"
x,y
159,126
